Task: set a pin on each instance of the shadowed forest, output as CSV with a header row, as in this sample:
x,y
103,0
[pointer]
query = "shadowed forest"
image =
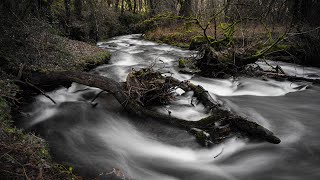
x,y
47,45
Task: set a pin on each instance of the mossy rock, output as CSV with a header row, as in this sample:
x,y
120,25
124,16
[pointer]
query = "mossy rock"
x,y
182,63
90,62
198,41
202,138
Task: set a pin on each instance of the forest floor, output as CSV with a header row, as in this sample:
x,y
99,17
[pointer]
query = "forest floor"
x,y
24,155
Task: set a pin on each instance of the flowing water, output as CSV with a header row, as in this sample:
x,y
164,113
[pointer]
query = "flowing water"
x,y
104,137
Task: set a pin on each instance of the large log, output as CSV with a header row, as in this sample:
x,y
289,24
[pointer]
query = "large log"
x,y
221,124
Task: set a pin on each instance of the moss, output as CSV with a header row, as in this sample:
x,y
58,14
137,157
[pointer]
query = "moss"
x,y
197,41
89,62
201,138
182,63
182,45
177,36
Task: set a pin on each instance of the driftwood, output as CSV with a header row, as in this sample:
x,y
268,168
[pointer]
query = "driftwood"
x,y
221,123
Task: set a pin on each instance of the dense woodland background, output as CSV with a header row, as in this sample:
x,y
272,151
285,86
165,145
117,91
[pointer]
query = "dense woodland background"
x,y
94,20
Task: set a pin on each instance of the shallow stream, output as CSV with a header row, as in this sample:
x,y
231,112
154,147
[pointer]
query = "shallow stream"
x,y
104,137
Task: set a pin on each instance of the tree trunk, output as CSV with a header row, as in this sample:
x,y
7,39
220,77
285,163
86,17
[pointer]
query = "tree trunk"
x,y
49,12
134,6
116,6
235,124
152,9
94,27
122,6
186,8
140,6
78,8
68,14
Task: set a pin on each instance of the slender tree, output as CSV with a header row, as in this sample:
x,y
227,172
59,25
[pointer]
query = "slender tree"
x,y
134,6
116,5
186,8
68,14
122,6
140,6
152,8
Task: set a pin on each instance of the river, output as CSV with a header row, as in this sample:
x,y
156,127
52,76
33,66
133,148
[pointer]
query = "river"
x,y
105,137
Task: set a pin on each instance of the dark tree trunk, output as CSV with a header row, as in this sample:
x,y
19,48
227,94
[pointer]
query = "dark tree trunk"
x,y
78,8
186,8
116,5
152,8
134,6
68,10
48,11
68,14
94,23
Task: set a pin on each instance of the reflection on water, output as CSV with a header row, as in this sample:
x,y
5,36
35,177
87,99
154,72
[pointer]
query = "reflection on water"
x,y
95,139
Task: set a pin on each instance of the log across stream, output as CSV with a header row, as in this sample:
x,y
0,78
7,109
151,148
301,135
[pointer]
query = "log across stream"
x,y
206,130
95,138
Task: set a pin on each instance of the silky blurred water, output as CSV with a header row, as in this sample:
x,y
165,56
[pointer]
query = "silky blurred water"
x,y
97,139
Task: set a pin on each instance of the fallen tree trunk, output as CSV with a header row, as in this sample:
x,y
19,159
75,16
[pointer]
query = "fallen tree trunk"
x,y
221,124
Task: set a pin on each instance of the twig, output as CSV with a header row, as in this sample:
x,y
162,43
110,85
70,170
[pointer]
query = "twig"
x,y
5,154
25,174
10,172
219,153
35,87
97,96
41,91
80,90
305,32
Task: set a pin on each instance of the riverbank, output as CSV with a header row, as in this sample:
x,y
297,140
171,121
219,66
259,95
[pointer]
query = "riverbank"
x,y
24,154
244,39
